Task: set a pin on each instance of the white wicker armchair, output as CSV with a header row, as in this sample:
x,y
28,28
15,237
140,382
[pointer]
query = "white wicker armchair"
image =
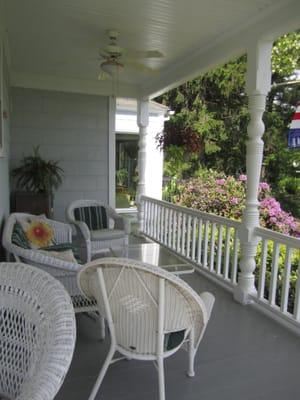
x,y
150,313
64,271
37,333
98,227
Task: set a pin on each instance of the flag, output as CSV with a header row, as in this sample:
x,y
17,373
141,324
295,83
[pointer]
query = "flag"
x,y
294,132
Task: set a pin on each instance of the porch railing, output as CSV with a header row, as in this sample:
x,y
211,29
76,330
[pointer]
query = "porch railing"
x,y
212,244
277,270
207,240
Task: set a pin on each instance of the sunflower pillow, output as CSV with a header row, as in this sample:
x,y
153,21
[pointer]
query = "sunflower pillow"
x,y
38,232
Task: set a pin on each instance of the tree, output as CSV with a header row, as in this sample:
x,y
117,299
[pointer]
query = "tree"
x,y
214,108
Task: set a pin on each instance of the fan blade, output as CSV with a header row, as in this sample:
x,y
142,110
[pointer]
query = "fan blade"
x,y
103,76
143,54
141,67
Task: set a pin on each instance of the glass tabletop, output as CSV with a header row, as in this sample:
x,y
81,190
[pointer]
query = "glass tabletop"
x,y
155,254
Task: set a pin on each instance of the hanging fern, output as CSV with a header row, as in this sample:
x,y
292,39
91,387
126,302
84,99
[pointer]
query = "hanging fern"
x,y
38,175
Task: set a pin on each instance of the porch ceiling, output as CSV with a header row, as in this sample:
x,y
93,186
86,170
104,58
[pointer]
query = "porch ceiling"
x,y
56,43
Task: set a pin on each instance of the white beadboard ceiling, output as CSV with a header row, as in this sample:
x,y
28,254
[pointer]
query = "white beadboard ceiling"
x,y
61,38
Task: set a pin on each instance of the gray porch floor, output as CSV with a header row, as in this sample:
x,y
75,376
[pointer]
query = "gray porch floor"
x,y
243,356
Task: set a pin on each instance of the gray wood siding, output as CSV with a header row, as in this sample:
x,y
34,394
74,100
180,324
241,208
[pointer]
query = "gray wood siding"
x,y
4,159
71,128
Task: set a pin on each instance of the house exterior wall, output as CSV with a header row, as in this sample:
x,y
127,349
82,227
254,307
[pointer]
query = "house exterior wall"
x,y
4,150
68,127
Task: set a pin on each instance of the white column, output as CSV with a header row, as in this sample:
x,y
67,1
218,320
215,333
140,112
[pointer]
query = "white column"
x,y
142,121
257,85
112,151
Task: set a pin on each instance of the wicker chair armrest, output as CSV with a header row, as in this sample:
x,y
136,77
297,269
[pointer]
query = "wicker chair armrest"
x,y
82,230
34,257
208,300
111,212
119,221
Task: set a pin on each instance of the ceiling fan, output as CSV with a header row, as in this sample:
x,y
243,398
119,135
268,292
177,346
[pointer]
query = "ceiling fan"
x,y
115,58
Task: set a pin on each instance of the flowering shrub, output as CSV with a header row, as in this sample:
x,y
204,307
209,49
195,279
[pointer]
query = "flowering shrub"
x,y
213,193
223,195
273,217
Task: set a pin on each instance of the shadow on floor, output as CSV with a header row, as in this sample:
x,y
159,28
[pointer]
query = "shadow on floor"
x,y
243,356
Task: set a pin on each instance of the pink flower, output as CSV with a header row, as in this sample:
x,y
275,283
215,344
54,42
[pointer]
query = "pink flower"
x,y
243,178
264,186
234,200
220,181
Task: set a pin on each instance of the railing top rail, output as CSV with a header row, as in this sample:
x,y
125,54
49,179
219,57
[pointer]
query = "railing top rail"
x,y
196,213
278,237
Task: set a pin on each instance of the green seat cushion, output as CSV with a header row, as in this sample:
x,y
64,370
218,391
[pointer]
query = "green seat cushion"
x,y
94,216
173,339
107,234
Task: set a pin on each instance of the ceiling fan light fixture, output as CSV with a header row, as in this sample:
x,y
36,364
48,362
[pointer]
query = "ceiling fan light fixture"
x,y
112,67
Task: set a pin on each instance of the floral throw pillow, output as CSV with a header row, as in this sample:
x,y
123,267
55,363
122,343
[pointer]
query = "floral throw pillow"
x,y
38,233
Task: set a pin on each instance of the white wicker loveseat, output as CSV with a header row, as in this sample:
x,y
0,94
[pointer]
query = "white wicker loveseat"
x,y
98,227
62,270
37,333
150,313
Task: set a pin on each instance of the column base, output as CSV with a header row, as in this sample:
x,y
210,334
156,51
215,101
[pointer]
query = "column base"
x,y
242,297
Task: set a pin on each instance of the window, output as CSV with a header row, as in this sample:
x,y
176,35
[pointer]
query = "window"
x,y
126,169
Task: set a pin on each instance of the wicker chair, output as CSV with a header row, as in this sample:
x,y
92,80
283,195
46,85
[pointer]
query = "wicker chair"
x,y
150,312
64,271
37,333
98,227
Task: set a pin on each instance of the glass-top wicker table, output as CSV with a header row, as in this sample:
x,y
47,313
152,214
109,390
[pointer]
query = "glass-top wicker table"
x,y
155,254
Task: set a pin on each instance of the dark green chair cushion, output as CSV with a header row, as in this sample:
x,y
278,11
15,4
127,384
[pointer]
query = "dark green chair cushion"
x,y
94,216
19,237
173,339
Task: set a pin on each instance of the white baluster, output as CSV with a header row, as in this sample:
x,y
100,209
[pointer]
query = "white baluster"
x,y
274,274
146,216
179,229
286,280
188,241
155,220
152,220
219,252
194,229
199,254
175,229
212,247
227,253
297,295
235,258
205,249
171,227
162,224
183,234
158,221
262,272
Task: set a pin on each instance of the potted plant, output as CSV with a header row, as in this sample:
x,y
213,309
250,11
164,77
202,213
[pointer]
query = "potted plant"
x,y
121,176
36,180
